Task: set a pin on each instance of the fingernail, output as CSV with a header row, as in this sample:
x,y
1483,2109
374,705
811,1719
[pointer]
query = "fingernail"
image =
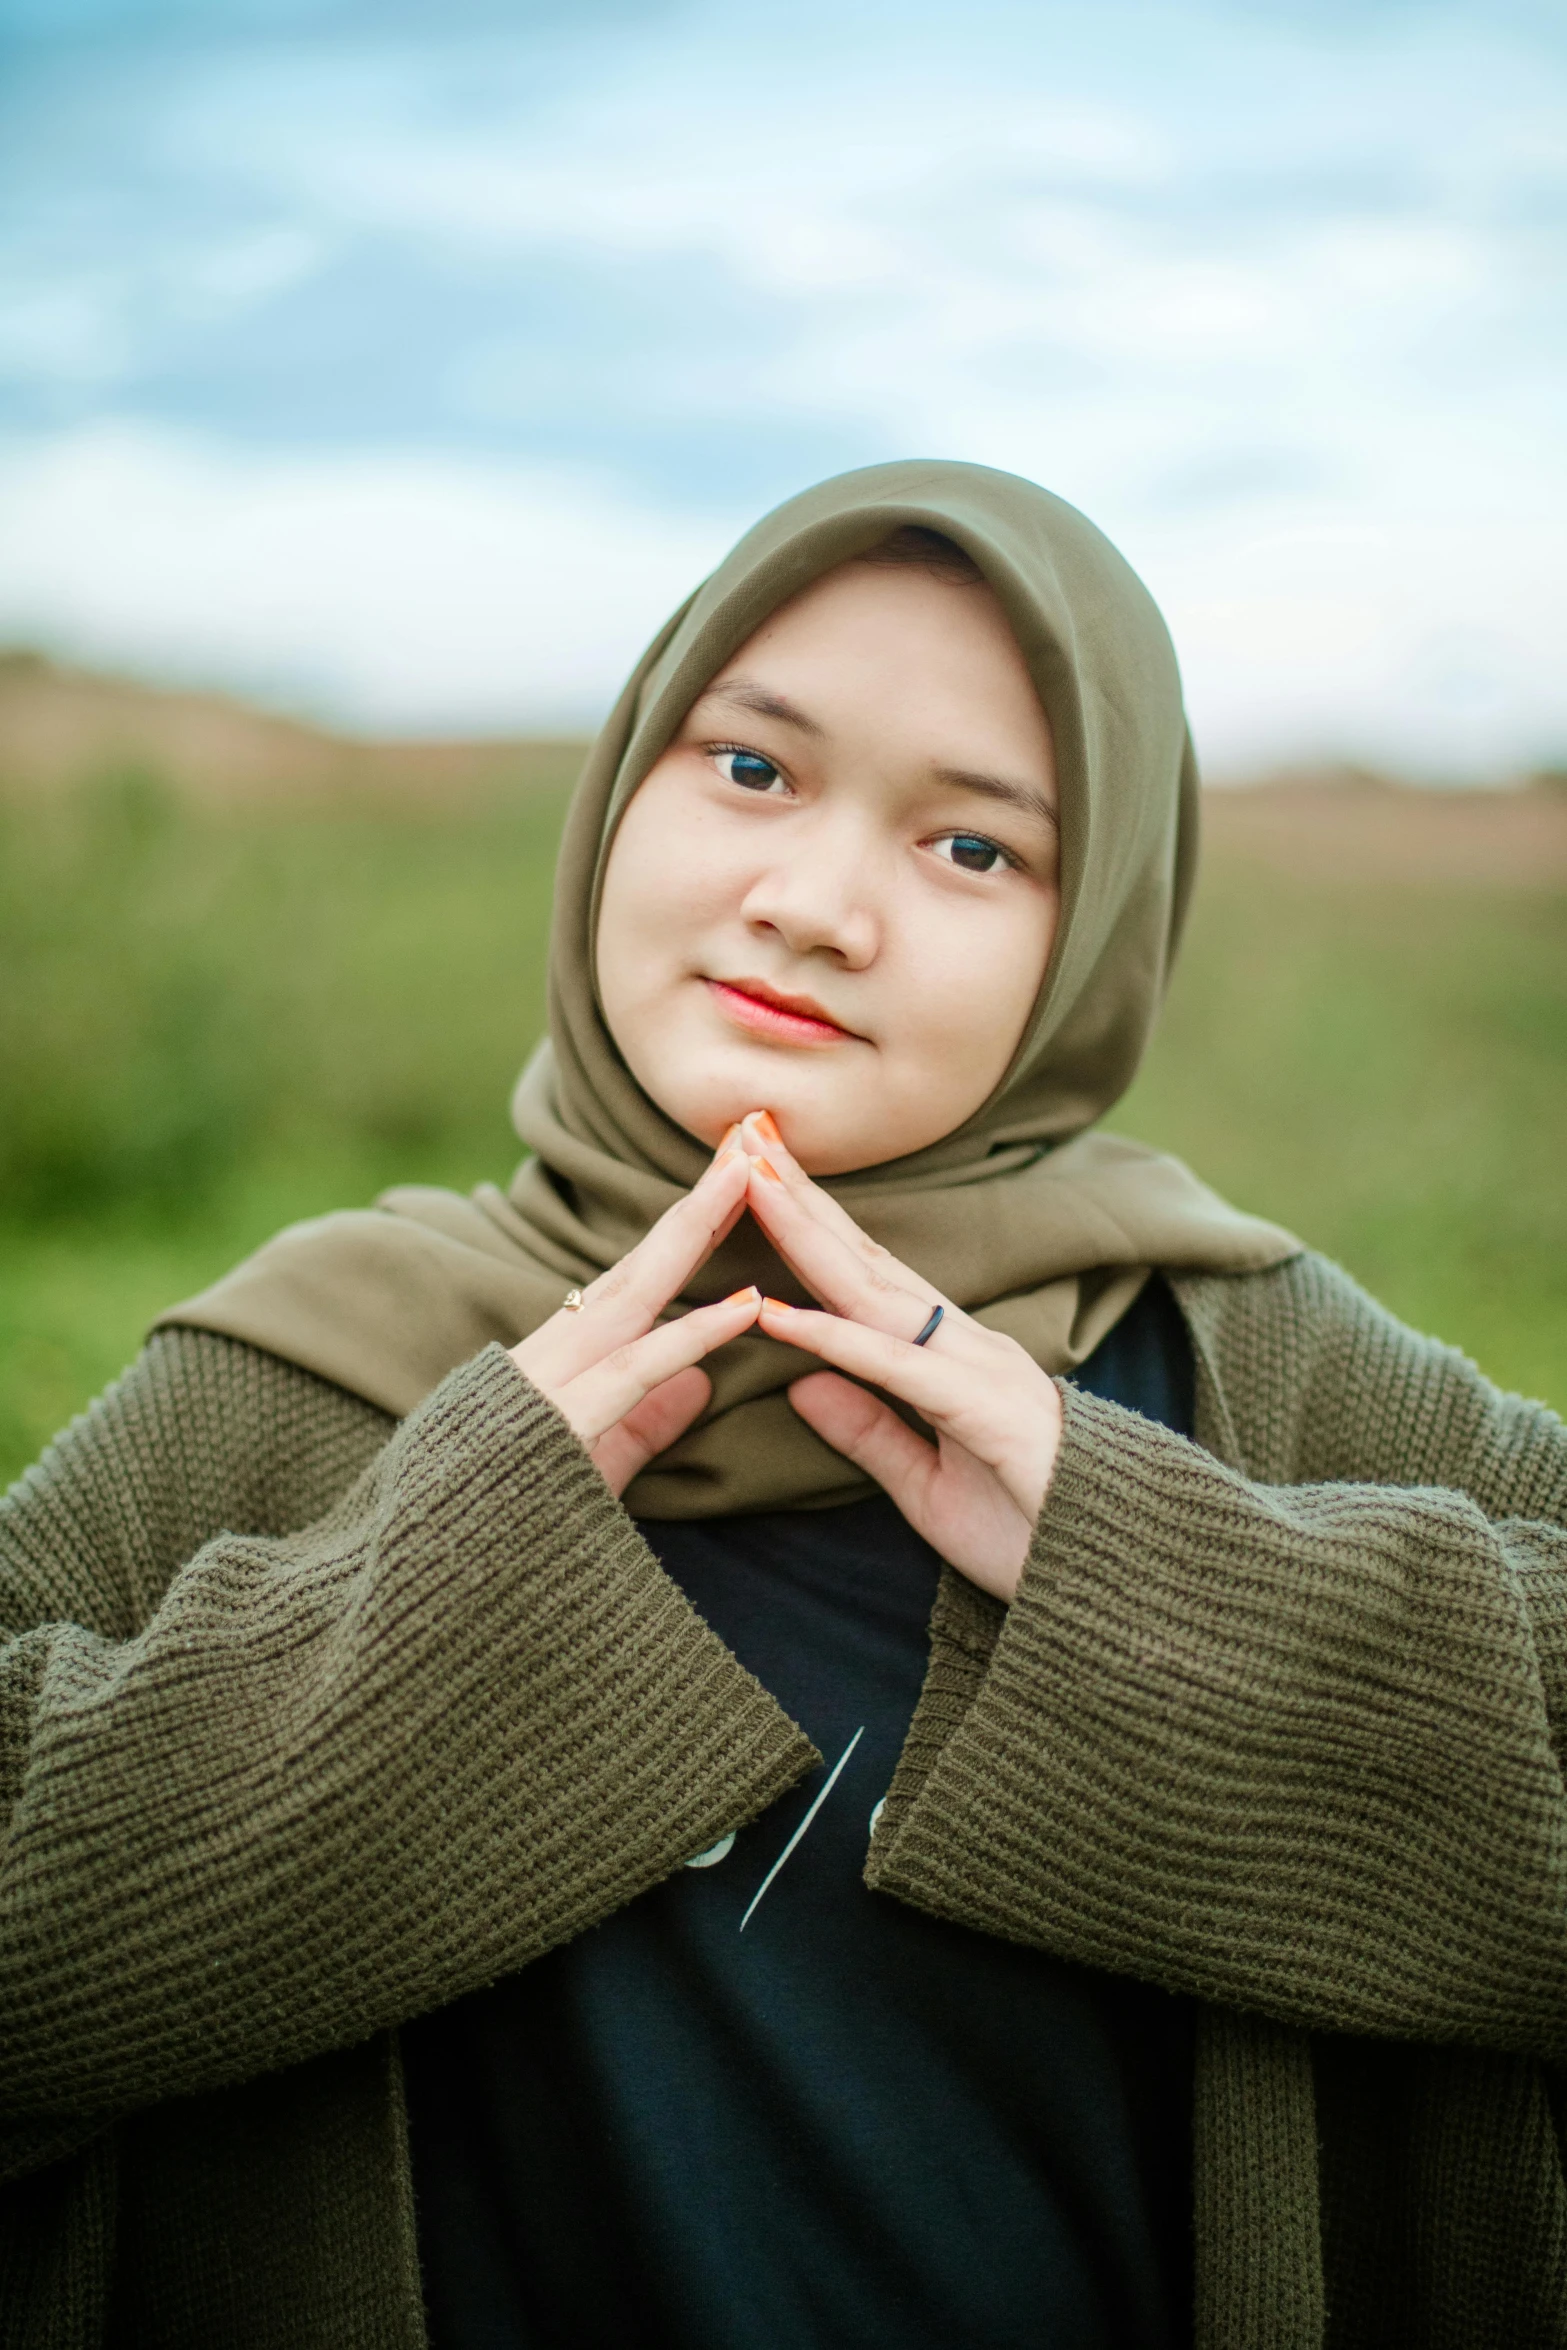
x,y
728,1139
736,1295
766,1125
777,1305
766,1167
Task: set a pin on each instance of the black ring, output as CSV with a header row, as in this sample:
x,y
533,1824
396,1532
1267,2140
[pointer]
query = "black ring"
x,y
931,1326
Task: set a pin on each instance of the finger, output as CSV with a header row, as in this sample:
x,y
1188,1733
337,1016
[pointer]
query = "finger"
x,y
964,1509
730,1221
934,1385
683,1238
625,1301
666,1412
870,1288
869,1433
760,1138
866,1273
1005,1412
605,1393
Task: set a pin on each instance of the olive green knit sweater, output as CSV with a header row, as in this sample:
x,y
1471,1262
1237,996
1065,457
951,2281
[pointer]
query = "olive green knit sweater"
x,y
307,1725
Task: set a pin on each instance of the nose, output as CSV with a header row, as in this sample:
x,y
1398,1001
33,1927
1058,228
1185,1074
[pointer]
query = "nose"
x,y
818,894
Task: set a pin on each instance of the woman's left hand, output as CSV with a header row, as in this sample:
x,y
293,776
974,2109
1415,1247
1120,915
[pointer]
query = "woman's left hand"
x,y
974,1495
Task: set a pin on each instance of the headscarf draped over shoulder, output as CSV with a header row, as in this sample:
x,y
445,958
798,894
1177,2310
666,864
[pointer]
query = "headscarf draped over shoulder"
x,y
1038,1225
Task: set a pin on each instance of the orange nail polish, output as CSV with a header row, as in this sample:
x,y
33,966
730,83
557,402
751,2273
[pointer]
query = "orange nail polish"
x,y
767,1126
735,1295
777,1305
728,1139
766,1167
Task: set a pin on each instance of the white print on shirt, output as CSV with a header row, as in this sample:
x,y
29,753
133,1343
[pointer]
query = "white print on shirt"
x,y
713,1855
804,1824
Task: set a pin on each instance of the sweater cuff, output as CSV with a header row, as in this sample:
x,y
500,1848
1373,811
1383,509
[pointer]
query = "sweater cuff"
x,y
665,1741
1047,1774
349,1774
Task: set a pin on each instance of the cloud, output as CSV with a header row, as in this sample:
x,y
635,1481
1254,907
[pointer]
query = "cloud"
x,y
438,592
425,593
1217,273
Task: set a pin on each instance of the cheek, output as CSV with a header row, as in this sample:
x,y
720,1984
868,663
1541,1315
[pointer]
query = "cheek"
x,y
663,885
968,988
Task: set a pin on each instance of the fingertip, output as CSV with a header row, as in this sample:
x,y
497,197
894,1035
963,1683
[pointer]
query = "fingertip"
x,y
760,1132
740,1309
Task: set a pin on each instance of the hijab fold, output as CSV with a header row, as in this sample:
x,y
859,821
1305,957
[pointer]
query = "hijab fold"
x,y
1042,1228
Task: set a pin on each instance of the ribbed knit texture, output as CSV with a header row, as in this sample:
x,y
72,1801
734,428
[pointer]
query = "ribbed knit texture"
x,y
272,1792
1273,1720
1276,1728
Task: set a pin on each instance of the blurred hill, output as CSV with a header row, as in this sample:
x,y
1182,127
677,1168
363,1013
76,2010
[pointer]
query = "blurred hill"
x,y
60,726
1356,829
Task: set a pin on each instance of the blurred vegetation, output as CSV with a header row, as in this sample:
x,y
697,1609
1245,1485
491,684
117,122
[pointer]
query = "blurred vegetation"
x,y
1381,1066
216,1019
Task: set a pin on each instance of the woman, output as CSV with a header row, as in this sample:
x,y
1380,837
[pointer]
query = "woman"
x,y
1036,1818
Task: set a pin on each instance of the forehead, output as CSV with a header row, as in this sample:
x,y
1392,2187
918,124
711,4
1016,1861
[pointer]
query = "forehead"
x,y
894,649
878,603
868,621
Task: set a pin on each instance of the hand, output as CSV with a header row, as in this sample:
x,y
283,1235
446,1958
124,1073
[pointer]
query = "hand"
x,y
626,1382
975,1493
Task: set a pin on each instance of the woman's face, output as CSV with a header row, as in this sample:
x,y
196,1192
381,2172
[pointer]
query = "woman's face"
x,y
834,895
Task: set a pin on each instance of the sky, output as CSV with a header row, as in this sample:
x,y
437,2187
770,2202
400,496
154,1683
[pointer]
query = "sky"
x,y
405,364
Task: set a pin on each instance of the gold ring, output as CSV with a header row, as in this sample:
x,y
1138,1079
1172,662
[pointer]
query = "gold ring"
x,y
573,1301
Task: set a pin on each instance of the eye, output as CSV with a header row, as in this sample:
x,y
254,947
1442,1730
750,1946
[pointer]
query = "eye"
x,y
747,768
971,852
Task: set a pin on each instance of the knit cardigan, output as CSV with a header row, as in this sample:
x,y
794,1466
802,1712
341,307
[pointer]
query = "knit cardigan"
x,y
310,1723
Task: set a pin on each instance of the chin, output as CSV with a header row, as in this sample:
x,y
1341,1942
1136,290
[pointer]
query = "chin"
x,y
810,1127
707,1081
825,1140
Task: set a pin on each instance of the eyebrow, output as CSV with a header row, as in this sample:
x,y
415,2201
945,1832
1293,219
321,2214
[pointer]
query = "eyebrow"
x,y
1026,796
744,693
747,693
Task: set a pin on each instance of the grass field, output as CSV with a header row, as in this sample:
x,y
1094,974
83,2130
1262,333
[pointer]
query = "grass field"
x,y
1372,1049
215,1019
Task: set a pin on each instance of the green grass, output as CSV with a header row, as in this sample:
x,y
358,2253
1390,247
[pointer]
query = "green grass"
x,y
212,1022
1381,1068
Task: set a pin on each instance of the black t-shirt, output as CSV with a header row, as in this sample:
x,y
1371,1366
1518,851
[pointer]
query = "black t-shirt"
x,y
763,2108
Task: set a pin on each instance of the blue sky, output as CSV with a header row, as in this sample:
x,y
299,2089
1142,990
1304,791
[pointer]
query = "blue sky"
x,y
405,363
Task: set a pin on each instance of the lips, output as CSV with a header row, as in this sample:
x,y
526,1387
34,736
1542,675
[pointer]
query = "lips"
x,y
764,1011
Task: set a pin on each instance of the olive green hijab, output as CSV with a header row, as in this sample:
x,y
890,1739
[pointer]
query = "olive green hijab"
x,y
1042,1228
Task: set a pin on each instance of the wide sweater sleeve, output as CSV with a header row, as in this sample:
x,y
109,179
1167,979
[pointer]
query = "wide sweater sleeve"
x,y
1282,1728
307,1725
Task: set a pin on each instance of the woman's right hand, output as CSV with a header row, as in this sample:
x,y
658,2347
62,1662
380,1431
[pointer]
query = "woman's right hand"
x,y
628,1383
